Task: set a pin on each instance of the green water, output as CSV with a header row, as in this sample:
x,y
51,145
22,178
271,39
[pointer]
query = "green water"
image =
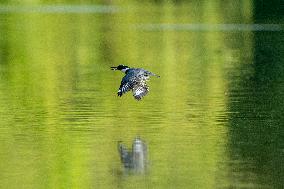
x,y
214,119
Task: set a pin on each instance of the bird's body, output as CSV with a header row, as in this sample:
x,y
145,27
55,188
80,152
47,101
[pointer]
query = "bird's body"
x,y
135,80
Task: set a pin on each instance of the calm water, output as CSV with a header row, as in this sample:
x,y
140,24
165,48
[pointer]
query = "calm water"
x,y
213,120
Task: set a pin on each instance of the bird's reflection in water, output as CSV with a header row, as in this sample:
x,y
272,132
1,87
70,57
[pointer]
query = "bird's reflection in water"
x,y
135,159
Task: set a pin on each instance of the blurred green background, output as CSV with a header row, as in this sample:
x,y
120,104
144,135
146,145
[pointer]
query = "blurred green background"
x,y
213,120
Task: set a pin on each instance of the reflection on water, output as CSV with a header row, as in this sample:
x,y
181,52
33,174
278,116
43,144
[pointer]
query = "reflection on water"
x,y
214,119
135,159
210,27
62,9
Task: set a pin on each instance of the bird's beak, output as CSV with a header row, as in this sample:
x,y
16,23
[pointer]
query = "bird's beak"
x,y
113,68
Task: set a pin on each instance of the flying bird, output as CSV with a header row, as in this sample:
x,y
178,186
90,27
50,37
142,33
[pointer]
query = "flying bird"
x,y
135,80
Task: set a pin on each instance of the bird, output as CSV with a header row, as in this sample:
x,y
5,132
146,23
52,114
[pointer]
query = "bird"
x,y
135,80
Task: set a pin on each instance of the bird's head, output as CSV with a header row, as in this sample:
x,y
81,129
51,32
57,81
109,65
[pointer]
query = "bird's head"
x,y
120,67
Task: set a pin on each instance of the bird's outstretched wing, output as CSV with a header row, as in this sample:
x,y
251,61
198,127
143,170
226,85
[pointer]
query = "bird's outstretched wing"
x,y
127,84
136,83
140,90
124,88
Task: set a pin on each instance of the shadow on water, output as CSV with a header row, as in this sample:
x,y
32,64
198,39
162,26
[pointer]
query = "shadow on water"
x,y
134,160
256,126
268,10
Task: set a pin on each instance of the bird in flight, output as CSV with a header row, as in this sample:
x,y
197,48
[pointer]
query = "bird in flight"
x,y
135,80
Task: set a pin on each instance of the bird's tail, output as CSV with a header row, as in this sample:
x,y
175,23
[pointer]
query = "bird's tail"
x,y
152,74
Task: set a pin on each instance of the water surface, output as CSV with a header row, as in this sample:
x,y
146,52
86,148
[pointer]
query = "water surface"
x,y
214,119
